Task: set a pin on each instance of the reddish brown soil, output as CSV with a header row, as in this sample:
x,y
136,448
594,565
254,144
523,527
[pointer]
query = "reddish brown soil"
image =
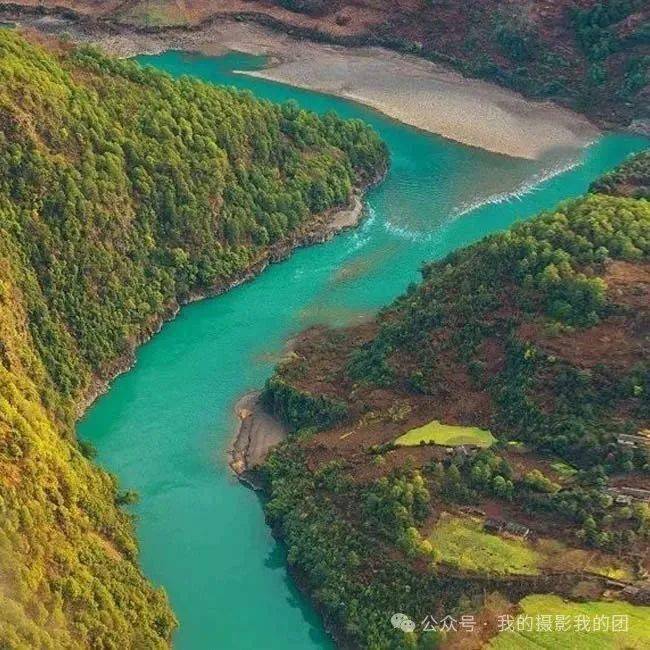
x,y
629,284
634,480
524,462
609,342
618,341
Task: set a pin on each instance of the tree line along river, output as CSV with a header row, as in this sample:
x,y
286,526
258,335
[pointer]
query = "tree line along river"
x,y
164,427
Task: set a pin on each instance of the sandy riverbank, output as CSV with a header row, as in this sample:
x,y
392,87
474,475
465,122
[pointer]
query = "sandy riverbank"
x,y
435,99
258,432
411,90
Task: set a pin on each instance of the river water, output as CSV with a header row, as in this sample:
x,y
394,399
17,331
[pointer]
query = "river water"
x,y
164,427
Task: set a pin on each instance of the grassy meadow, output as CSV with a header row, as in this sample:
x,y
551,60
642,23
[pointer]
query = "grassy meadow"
x,y
446,434
598,614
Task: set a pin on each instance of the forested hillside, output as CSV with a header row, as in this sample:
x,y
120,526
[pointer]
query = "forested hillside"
x,y
631,179
592,55
122,194
487,434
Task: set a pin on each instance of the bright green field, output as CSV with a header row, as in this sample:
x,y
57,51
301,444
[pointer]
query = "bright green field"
x,y
563,469
637,636
461,542
446,434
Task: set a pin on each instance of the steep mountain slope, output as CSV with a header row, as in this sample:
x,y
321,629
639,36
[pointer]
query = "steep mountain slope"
x,y
391,494
631,179
587,54
122,194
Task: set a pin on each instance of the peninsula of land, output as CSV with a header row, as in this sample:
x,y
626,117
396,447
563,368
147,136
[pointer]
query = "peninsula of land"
x,y
420,93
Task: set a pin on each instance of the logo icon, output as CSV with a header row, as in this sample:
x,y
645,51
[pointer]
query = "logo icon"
x,y
402,622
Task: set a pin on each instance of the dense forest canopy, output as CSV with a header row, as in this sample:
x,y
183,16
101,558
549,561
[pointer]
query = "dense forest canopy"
x,y
539,335
631,179
122,194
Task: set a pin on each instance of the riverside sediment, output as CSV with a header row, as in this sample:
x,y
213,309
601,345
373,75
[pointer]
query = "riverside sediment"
x,y
417,92
258,432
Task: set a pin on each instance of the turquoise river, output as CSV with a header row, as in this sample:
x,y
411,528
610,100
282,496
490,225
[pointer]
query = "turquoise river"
x,y
164,427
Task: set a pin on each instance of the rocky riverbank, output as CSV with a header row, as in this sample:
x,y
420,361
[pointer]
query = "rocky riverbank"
x,y
258,432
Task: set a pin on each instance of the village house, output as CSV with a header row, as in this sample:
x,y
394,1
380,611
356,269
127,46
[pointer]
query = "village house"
x,y
629,493
516,530
493,526
623,500
633,440
512,528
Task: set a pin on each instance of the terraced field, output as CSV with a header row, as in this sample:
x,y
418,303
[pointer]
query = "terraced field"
x,y
595,621
462,543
